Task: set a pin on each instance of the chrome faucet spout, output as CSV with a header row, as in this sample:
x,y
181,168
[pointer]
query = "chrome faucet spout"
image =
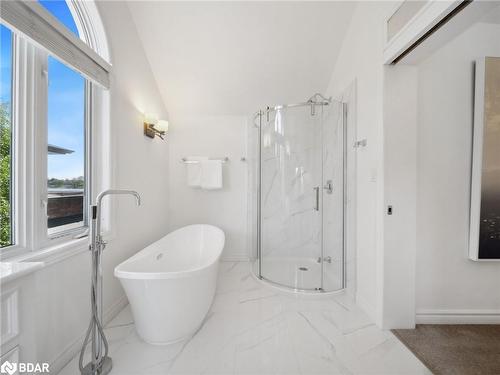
x,y
117,192
99,198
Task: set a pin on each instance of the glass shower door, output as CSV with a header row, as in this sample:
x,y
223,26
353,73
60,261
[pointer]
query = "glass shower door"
x,y
291,190
333,205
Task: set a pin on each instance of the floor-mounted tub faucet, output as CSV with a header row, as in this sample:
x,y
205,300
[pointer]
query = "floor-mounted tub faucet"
x,y
100,363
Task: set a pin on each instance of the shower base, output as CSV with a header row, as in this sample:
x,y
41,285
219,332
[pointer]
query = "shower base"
x,y
299,275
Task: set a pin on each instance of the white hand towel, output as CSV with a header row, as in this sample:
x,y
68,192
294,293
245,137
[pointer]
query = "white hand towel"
x,y
211,174
194,171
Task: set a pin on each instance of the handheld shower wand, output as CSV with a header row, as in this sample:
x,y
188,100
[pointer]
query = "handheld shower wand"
x,y
100,363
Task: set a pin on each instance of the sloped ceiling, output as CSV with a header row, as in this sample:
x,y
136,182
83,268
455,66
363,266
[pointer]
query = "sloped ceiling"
x,y
232,58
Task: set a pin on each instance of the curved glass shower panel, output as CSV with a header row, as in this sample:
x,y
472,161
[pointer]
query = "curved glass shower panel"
x,y
291,178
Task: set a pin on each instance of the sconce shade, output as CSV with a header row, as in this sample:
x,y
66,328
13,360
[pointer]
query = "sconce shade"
x,y
154,127
162,125
151,118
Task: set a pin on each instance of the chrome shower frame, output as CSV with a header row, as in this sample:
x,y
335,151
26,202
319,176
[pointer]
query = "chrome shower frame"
x,y
315,100
100,363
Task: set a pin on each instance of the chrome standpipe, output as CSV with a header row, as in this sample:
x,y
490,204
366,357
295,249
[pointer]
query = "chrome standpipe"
x,y
100,363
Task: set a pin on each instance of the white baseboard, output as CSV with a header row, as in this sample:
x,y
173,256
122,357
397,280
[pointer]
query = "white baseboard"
x,y
74,348
115,309
458,316
366,307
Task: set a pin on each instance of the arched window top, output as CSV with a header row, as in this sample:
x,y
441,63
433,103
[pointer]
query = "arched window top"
x,y
60,10
82,19
50,28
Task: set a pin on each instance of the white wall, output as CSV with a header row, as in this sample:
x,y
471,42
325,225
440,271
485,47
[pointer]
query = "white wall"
x,y
212,136
360,63
55,300
400,191
427,180
140,163
448,285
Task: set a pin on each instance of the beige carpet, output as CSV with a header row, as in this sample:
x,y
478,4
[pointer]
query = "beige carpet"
x,y
455,349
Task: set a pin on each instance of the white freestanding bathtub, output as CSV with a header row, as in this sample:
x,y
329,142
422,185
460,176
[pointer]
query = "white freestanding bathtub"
x,y
171,283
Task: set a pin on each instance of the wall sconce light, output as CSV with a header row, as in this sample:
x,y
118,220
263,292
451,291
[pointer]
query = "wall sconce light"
x,y
154,127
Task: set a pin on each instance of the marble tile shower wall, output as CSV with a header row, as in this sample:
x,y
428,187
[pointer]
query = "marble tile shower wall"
x,y
291,168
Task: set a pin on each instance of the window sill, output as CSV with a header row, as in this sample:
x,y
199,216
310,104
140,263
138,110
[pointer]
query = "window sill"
x,y
49,255
53,254
10,271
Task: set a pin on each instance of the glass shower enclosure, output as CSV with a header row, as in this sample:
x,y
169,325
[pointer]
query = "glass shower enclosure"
x,y
300,170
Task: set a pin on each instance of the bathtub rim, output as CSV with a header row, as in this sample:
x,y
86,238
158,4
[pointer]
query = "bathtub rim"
x,y
144,275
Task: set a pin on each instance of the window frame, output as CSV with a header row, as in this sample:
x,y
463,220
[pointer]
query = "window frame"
x,y
12,195
29,151
22,172
29,124
43,238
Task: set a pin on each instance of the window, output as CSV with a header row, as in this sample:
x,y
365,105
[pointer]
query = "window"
x,y
6,237
47,99
66,159
59,9
66,179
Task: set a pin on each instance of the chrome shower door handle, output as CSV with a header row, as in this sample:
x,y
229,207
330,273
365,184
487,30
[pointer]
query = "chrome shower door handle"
x,y
316,206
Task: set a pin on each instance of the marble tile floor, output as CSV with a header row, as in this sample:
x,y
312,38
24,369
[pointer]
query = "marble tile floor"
x,y
255,329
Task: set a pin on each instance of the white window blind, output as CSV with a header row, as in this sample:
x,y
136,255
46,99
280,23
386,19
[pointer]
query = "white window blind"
x,y
34,22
